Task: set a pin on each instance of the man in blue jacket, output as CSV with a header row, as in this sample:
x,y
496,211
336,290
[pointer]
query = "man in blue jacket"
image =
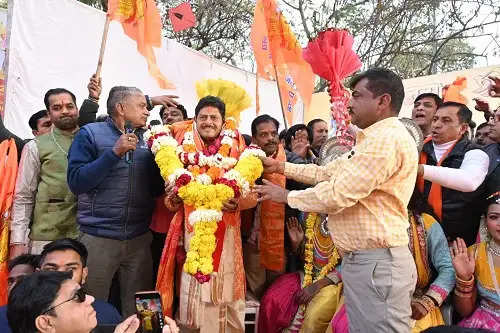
x,y
116,196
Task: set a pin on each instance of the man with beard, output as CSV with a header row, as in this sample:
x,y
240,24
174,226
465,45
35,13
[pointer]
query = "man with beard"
x,y
42,190
424,107
319,130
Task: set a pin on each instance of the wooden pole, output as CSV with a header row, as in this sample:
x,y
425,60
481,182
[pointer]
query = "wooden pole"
x,y
103,46
281,98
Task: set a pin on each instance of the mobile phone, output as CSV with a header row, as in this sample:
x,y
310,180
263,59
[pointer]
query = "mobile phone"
x,y
149,311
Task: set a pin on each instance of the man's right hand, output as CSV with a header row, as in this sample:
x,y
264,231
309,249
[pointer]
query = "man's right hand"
x,y
16,250
272,166
95,87
125,143
495,86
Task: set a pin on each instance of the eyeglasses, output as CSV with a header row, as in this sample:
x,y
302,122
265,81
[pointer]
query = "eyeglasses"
x,y
78,297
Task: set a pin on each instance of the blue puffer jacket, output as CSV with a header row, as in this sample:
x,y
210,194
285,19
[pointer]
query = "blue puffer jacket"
x,y
115,199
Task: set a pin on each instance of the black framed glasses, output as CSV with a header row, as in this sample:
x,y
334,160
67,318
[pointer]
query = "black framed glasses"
x,y
78,297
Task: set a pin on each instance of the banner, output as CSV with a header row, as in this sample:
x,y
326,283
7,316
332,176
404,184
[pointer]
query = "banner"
x,y
55,43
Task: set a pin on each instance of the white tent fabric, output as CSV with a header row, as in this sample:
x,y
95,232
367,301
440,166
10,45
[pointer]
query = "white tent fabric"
x,y
55,43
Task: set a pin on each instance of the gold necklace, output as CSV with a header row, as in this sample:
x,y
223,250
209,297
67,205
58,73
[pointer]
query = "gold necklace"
x,y
57,143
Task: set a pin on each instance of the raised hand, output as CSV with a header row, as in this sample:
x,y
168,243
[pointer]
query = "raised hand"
x,y
165,100
95,87
481,105
295,232
495,87
463,261
300,144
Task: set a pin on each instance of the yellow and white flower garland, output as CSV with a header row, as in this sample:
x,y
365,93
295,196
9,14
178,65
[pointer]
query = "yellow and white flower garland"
x,y
226,178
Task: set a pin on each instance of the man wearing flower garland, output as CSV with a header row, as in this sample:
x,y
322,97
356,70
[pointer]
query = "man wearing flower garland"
x,y
365,193
206,163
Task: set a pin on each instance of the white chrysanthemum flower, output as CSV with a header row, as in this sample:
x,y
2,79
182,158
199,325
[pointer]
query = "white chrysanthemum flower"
x,y
226,140
204,215
229,162
204,179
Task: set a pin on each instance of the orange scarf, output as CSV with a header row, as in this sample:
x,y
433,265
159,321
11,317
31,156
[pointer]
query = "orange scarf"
x,y
435,198
166,270
272,225
8,173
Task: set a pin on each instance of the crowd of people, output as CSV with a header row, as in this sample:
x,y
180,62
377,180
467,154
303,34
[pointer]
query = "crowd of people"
x,y
385,238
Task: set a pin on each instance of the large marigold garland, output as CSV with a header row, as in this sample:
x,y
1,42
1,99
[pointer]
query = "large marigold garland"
x,y
204,180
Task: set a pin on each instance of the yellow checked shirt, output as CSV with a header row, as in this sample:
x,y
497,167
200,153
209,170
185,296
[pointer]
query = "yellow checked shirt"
x,y
366,191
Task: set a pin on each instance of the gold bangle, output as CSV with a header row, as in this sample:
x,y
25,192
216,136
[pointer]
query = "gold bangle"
x,y
464,289
463,295
464,282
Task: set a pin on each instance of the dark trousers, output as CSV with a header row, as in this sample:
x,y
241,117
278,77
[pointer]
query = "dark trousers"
x,y
156,251
130,258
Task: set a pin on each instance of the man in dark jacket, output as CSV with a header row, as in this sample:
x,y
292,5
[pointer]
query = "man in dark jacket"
x,y
116,196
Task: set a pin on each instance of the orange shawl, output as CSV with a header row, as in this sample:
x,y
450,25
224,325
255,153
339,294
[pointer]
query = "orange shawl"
x,y
8,173
166,270
272,225
435,198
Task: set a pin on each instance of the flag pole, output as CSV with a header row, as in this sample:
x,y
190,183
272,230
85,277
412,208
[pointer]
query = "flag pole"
x,y
103,46
281,98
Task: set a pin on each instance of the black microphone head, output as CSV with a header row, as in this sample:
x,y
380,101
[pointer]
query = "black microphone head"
x,y
128,127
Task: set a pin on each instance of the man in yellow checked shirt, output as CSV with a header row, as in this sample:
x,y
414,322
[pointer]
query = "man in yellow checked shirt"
x,y
206,163
365,194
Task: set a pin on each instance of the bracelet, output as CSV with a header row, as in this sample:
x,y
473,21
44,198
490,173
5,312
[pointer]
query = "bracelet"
x,y
464,289
92,99
464,282
462,295
427,302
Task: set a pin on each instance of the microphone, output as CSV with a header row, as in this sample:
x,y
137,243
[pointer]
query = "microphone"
x,y
129,156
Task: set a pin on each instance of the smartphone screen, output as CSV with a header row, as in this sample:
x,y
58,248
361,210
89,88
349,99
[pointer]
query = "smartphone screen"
x,y
149,311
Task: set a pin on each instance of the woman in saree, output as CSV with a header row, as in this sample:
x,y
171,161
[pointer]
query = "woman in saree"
x,y
436,276
477,293
304,301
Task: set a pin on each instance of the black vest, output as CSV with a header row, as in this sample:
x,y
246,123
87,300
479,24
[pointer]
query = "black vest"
x,y
457,219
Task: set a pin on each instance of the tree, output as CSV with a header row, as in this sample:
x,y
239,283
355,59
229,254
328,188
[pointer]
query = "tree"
x,y
222,30
414,37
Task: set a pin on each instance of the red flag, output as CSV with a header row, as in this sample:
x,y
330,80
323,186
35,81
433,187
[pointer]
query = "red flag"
x,y
182,17
279,56
141,21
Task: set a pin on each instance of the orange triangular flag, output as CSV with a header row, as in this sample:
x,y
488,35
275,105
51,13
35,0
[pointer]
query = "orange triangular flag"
x,y
141,21
182,17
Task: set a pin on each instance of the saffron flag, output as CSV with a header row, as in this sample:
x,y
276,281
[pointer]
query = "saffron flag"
x,y
8,173
453,92
141,21
279,56
182,17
